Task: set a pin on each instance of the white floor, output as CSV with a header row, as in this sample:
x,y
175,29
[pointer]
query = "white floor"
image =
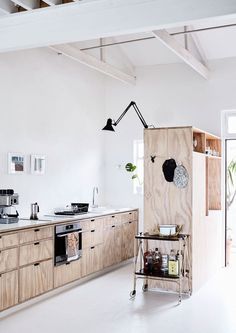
x,y
103,305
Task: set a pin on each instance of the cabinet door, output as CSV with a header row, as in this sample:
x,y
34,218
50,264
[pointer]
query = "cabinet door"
x,y
95,258
108,246
128,232
66,273
8,289
35,279
117,244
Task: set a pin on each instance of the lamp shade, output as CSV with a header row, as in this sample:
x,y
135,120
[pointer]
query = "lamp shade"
x,y
109,126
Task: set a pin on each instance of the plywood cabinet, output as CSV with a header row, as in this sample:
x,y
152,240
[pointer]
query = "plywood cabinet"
x,y
35,279
37,251
69,272
129,230
8,259
8,289
8,240
26,257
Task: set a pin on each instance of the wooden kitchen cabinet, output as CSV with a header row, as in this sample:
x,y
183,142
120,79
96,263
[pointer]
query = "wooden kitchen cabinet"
x,y
92,259
8,289
108,246
35,234
8,259
36,251
129,230
8,241
68,272
35,279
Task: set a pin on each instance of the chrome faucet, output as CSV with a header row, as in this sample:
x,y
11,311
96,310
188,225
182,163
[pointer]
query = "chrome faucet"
x,y
95,190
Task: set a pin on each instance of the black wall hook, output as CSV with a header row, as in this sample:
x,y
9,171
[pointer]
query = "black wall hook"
x,y
153,158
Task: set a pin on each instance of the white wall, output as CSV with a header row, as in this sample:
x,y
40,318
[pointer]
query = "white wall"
x,y
167,95
51,105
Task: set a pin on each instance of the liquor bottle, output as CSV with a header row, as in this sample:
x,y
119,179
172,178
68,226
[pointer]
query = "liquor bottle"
x,y
156,261
173,264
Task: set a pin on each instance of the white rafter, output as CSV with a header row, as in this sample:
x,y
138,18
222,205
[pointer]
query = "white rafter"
x,y
53,2
180,51
198,46
7,7
92,62
27,4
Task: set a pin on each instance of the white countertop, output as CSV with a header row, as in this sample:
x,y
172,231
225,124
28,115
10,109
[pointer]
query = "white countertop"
x,y
56,219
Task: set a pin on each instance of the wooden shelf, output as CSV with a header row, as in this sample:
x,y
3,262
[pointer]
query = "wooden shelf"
x,y
203,140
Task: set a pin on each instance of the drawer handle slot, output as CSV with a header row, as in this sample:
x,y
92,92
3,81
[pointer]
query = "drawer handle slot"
x,y
113,216
92,247
93,230
130,222
36,230
36,243
130,213
67,263
92,220
37,264
113,226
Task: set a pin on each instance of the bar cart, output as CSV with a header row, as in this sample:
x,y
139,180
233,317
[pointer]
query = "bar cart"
x,y
141,245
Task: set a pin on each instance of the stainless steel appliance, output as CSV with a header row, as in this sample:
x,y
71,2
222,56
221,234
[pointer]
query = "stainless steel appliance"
x,y
74,209
34,211
7,201
61,236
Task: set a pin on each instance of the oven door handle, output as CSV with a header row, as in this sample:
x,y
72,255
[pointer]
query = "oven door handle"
x,y
63,235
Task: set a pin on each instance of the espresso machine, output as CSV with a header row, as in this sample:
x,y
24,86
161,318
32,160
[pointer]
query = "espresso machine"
x,y
8,212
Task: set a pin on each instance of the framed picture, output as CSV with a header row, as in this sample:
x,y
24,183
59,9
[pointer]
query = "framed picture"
x,y
16,163
37,164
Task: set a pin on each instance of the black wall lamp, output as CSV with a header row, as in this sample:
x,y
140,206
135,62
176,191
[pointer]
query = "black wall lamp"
x,y
110,123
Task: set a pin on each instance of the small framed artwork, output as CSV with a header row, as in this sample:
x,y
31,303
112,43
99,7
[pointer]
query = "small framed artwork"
x,y
16,163
37,164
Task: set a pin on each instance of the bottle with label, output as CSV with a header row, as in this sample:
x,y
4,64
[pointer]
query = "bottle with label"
x,y
148,261
164,263
156,261
173,264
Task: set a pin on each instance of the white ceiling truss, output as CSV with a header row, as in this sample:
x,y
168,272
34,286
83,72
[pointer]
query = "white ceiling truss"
x,y
28,24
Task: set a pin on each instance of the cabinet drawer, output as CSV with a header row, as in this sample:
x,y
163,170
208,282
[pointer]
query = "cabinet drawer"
x,y
129,217
37,251
35,279
112,220
8,289
8,259
8,241
66,273
35,234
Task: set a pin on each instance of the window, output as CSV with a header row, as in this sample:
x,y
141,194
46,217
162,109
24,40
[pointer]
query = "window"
x,y
138,161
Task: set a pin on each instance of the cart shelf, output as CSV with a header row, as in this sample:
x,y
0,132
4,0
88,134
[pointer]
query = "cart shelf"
x,y
157,275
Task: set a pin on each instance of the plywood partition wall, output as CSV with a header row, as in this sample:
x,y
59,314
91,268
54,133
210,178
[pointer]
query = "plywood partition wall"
x,y
164,203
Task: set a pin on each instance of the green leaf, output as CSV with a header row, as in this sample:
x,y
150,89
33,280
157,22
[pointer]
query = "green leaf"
x,y
130,167
134,176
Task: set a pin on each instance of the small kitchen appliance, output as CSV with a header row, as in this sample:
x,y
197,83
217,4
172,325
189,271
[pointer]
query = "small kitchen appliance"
x,y
74,209
34,211
8,200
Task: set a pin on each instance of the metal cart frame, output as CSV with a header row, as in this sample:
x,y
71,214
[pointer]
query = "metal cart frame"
x,y
141,242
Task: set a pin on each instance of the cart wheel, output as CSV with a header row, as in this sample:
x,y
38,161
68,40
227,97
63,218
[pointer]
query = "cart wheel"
x,y
132,294
180,300
145,287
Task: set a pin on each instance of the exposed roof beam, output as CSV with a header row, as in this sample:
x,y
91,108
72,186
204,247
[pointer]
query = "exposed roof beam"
x,y
180,51
7,7
27,4
53,2
92,62
198,46
93,19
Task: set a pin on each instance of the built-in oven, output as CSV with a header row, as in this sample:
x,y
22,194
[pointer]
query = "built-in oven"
x,y
68,243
